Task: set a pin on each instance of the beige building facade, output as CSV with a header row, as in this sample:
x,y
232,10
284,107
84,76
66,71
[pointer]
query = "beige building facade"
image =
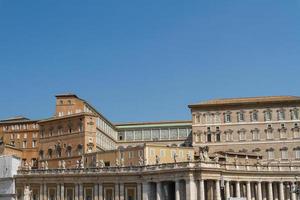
x,y
245,148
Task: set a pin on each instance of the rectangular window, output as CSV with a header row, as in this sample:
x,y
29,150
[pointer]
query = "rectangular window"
x,y
281,115
297,153
241,117
295,114
271,155
33,143
268,116
284,154
227,118
208,137
24,144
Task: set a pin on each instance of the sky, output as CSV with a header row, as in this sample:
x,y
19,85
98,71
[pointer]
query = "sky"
x,y
145,60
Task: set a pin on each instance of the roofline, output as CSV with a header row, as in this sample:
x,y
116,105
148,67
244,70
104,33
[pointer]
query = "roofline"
x,y
65,117
153,123
271,101
67,95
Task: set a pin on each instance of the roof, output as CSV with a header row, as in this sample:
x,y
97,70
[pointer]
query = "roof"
x,y
66,95
65,117
246,100
154,124
17,119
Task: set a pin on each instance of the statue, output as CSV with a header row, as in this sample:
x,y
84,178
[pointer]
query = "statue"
x,y
117,162
141,161
82,162
175,158
157,160
97,163
216,158
145,161
188,157
101,163
27,193
63,164
46,164
42,165
59,164
204,153
122,162
77,164
201,157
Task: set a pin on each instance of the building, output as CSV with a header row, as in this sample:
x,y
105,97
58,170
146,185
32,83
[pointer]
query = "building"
x,y
8,168
239,147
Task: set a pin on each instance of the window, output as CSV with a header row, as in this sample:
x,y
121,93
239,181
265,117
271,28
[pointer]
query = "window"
x,y
218,135
33,143
227,117
25,135
197,118
295,114
271,155
24,144
242,134
284,153
296,131
269,132
69,151
217,118
240,116
281,114
140,153
254,116
130,154
268,115
229,135
282,132
297,152
208,118
255,134
208,135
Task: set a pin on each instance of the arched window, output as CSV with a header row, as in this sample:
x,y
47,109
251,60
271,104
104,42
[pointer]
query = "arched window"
x,y
41,154
80,149
49,153
69,151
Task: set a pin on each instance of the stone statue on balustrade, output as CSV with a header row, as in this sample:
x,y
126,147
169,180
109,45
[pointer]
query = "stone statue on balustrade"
x,y
157,160
122,162
27,193
216,158
189,157
42,165
204,153
175,158
101,164
141,161
117,163
63,164
59,164
46,164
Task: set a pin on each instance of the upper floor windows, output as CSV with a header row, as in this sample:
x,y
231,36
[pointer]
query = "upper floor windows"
x,y
242,134
227,117
229,135
297,152
240,116
269,132
280,115
270,154
284,153
294,114
254,116
268,115
255,134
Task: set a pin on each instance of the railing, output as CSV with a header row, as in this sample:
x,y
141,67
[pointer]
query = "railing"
x,y
222,166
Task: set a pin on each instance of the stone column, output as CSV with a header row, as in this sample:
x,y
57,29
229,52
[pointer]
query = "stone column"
x,y
288,193
264,193
270,191
248,190
227,189
259,191
158,191
100,191
139,191
281,191
62,192
191,189
146,190
275,191
201,189
294,197
177,189
80,191
117,191
76,191
218,190
96,195
58,192
122,191
45,193
238,189
41,192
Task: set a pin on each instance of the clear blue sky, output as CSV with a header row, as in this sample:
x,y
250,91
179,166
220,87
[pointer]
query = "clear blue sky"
x,y
145,60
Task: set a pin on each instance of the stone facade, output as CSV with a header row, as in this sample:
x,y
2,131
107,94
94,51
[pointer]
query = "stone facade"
x,y
243,148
